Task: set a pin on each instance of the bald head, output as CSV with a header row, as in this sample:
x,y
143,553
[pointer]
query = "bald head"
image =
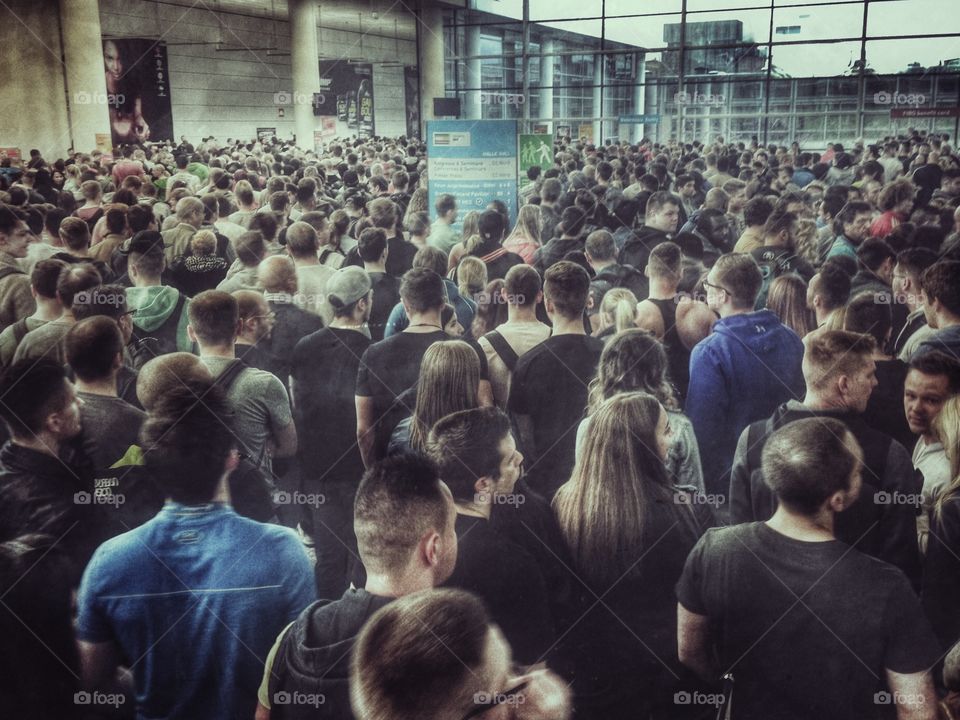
x,y
166,372
277,274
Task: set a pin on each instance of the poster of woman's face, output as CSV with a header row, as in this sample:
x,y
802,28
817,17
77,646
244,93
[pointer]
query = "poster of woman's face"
x,y
138,90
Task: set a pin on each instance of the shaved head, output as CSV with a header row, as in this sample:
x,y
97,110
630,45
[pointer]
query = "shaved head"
x,y
167,372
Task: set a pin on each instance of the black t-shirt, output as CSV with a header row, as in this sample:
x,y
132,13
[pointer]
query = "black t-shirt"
x,y
324,373
399,256
885,409
550,386
508,579
386,294
941,574
807,628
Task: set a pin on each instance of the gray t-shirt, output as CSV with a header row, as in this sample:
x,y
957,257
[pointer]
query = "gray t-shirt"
x,y
111,426
8,340
261,406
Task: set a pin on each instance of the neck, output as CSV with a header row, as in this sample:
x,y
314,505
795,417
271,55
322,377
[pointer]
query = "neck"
x,y
474,509
47,309
424,322
822,315
662,289
375,267
387,586
224,351
728,310
815,528
247,340
600,265
945,321
145,281
567,326
305,261
813,401
42,442
517,313
104,386
347,323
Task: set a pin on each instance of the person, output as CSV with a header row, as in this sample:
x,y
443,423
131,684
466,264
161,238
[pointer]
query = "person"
x,y
176,241
827,295
256,329
906,289
323,375
840,375
660,222
601,252
16,300
546,416
812,597
127,123
619,504
312,276
740,373
43,286
851,226
778,255
251,250
895,203
442,235
202,269
941,306
617,312
489,246
372,246
572,222
173,592
504,346
476,455
524,239
755,215
262,421
787,298
456,665
404,520
385,215
391,366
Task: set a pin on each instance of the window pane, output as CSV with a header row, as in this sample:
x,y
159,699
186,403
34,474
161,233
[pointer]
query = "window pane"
x,y
819,23
900,56
653,32
913,17
632,7
564,9
816,60
728,27
723,4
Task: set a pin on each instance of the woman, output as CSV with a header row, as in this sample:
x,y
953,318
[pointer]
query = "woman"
x,y
332,253
450,322
787,298
126,106
419,203
618,312
471,226
491,309
629,531
471,277
486,245
525,238
635,360
448,382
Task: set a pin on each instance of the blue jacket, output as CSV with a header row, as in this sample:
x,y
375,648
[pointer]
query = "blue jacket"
x,y
740,374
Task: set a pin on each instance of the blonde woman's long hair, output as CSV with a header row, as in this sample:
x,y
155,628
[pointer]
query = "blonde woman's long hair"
x,y
471,276
603,509
787,298
449,381
947,428
471,231
528,224
619,309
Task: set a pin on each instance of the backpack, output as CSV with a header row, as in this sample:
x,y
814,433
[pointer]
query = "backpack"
x,y
500,345
7,270
144,346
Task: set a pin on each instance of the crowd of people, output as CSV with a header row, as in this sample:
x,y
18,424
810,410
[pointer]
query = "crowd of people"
x,y
681,440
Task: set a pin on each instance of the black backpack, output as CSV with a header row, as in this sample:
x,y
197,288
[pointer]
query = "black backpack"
x,y
144,346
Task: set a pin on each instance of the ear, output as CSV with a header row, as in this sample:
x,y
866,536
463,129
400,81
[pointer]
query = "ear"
x,y
431,547
483,486
232,461
191,334
843,384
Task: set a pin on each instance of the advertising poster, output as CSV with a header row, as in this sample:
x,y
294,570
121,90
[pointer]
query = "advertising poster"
x,y
266,134
326,132
10,152
586,132
474,160
534,150
346,92
411,97
138,90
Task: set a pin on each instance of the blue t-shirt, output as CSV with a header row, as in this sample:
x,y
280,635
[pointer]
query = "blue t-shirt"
x,y
194,599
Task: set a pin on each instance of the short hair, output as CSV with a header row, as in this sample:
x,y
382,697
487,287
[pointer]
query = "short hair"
x,y
551,190
91,189
942,282
399,499
249,303
660,198
832,353
423,289
522,284
44,277
666,260
383,213
106,300
52,220
213,315
445,203
756,211
203,242
244,192
873,252
430,257
302,241
572,220
186,441
916,260
601,245
792,450
464,447
567,285
848,212
868,315
250,248
938,363
92,346
833,283
401,665
266,223
75,234
76,279
778,221
740,276
31,390
188,206
371,244
160,374
139,218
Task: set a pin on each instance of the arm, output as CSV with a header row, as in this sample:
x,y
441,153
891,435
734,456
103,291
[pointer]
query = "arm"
x,y
649,319
707,406
98,664
740,502
692,642
694,322
365,428
485,394
913,695
898,522
285,441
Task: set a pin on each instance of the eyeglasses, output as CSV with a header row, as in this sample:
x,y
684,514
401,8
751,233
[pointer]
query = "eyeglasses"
x,y
508,696
716,287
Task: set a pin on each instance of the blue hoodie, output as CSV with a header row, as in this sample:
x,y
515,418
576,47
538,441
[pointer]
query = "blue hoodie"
x,y
741,373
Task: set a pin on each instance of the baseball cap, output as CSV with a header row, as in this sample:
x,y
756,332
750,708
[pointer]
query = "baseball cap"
x,y
144,242
347,285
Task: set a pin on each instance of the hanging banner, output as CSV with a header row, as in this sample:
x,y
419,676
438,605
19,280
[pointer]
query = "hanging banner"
x,y
346,92
138,90
586,132
475,161
326,132
411,96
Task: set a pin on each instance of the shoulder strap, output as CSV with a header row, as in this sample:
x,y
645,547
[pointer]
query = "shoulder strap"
x,y
20,330
229,375
500,345
8,270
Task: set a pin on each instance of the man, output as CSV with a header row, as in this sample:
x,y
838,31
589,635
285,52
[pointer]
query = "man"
x,y
442,235
182,175
941,294
312,277
373,249
323,376
742,371
47,340
662,215
198,593
391,366
477,457
404,520
686,188
454,664
852,227
755,215
549,215
176,241
601,252
778,254
263,424
572,222
548,395
875,276
16,300
840,374
504,346
827,294
385,216
892,166
256,328
813,598
251,250
159,311
678,322
43,286
907,291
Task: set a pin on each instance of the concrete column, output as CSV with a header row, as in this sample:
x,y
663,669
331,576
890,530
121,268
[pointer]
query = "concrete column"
x,y
546,81
305,65
472,106
639,96
431,58
85,75
598,65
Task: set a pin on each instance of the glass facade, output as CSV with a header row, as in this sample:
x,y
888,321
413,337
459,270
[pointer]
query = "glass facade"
x,y
781,70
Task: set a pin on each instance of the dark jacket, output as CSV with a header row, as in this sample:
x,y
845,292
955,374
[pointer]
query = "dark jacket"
x,y
636,250
626,276
554,251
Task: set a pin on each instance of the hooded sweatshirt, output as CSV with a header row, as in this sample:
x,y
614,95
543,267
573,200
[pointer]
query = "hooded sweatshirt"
x,y
748,366
313,658
154,306
636,250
